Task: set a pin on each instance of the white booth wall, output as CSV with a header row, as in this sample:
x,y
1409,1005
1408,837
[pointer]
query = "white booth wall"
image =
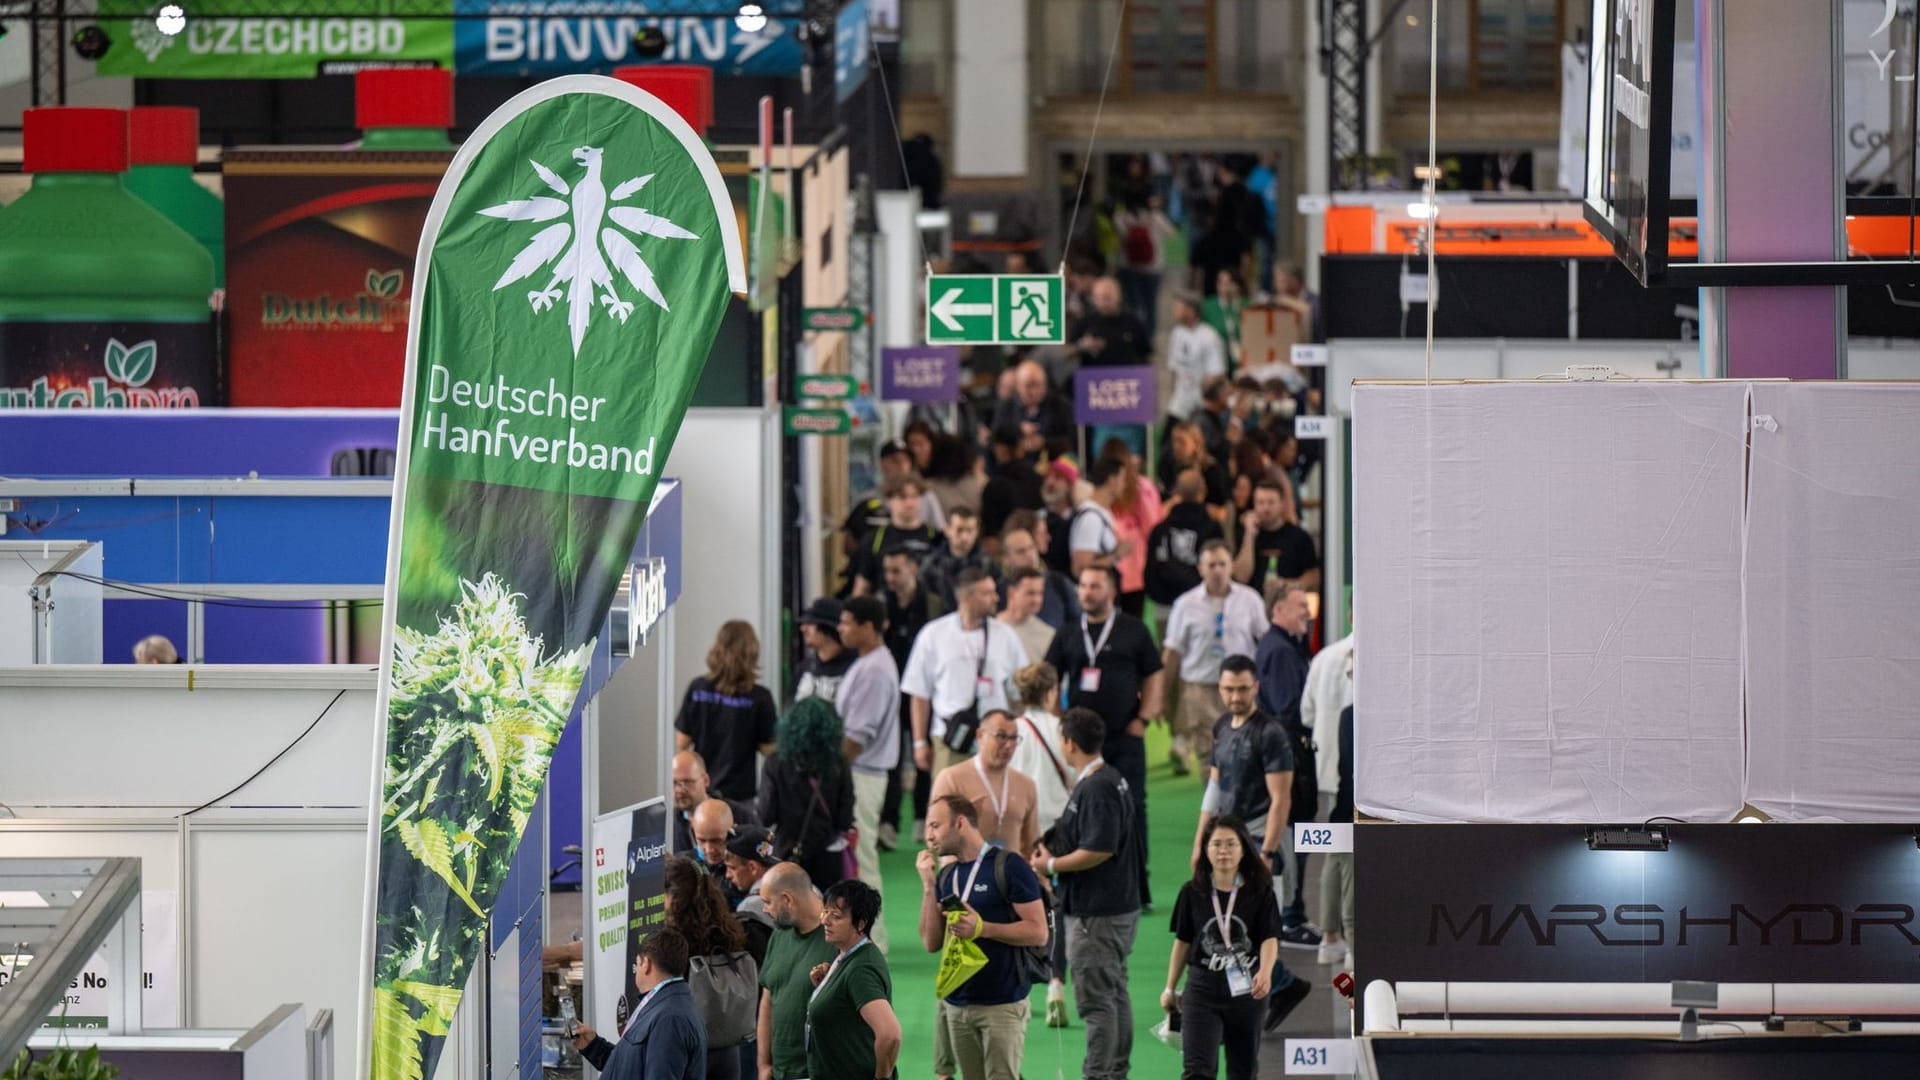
x,y
728,463
109,761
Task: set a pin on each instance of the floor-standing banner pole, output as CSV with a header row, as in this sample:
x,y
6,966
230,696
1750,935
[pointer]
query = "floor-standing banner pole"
x,y
570,280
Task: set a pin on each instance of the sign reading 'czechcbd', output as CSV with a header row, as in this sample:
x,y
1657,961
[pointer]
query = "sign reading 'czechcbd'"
x,y
572,276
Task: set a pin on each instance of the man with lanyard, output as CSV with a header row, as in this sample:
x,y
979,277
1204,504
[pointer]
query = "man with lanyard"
x,y
1005,801
1092,850
1252,779
799,943
664,1039
1216,619
1110,665
983,1024
961,662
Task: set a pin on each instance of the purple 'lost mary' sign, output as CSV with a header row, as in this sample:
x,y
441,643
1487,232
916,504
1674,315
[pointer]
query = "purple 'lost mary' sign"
x,y
1115,395
924,373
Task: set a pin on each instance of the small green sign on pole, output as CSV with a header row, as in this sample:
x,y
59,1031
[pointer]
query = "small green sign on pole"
x,y
796,421
825,387
843,319
996,309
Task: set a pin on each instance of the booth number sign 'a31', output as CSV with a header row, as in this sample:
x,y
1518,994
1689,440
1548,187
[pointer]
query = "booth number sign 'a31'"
x,y
996,309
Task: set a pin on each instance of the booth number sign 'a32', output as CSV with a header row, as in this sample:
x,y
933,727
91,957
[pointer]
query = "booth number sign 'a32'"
x,y
996,309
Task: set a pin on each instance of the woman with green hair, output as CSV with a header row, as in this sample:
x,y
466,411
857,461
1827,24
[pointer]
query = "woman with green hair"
x,y
806,793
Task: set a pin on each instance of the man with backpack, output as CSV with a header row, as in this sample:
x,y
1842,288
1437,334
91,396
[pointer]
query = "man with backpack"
x,y
998,905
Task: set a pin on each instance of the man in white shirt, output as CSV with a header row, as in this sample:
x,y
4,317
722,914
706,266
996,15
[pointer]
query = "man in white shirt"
x,y
964,660
1093,538
1211,621
1194,354
1026,592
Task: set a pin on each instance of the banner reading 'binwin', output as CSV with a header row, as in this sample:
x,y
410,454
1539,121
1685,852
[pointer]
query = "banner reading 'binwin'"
x,y
570,281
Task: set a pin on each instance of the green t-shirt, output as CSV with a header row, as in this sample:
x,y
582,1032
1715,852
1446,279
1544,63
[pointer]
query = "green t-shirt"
x,y
841,1043
790,956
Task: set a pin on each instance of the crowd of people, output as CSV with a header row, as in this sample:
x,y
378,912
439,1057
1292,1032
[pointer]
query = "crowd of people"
x,y
1012,619
983,694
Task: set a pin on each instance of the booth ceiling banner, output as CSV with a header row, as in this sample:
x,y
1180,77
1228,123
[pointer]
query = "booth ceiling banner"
x,y
273,39
1548,601
553,37
569,285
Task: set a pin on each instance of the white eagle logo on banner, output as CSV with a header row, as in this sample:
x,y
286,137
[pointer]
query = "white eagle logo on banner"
x,y
596,250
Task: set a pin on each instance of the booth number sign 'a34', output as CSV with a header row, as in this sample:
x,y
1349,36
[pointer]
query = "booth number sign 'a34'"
x,y
996,309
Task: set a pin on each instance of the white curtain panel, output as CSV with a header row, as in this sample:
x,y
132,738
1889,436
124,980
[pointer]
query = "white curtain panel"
x,y
1833,602
1547,601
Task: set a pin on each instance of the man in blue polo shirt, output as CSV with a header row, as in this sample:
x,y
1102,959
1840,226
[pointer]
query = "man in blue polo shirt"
x,y
998,898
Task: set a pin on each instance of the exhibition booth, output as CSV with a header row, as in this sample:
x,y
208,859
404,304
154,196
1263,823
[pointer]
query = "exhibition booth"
x,y
236,780
1635,658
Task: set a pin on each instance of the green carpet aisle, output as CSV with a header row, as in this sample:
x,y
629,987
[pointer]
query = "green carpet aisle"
x,y
1173,807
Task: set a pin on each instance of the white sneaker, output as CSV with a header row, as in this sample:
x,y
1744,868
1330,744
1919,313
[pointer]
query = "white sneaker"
x,y
1346,962
1332,952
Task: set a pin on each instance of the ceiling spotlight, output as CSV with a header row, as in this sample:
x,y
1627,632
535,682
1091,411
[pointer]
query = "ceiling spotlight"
x,y
1627,838
751,19
171,20
650,42
91,42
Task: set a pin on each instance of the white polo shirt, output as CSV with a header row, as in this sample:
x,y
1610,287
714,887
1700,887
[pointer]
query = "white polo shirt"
x,y
1205,629
943,664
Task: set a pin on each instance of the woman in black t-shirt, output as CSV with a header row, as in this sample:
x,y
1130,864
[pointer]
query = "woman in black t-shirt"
x,y
727,716
1226,929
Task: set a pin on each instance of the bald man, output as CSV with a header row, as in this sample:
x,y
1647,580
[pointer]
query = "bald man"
x,y
785,985
691,787
1044,417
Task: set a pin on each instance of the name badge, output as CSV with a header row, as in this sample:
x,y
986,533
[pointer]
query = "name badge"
x,y
1239,982
1090,680
982,688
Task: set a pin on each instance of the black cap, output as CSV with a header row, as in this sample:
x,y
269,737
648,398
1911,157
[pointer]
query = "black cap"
x,y
824,612
893,447
753,843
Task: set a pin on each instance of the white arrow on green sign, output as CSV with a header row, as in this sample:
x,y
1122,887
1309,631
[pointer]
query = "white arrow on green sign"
x,y
996,309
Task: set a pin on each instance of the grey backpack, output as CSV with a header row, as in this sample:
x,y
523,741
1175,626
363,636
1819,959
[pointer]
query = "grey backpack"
x,y
726,991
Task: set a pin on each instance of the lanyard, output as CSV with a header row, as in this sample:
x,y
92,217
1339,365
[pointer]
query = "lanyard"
x,y
999,804
1094,647
643,1003
1088,771
967,889
833,967
1224,920
806,1033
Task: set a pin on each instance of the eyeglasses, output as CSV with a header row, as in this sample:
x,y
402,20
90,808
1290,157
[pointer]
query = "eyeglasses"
x,y
1004,736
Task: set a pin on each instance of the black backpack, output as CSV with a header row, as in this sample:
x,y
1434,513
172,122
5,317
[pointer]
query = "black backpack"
x,y
1038,958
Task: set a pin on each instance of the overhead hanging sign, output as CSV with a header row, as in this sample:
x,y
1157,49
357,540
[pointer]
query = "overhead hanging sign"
x,y
571,279
273,39
536,37
924,373
996,309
